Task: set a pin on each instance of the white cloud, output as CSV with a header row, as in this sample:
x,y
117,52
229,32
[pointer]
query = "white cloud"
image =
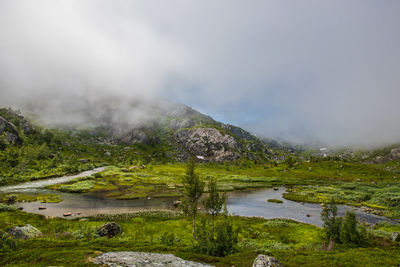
x,y
306,69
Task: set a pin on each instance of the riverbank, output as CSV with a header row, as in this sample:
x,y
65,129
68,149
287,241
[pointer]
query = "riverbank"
x,y
350,184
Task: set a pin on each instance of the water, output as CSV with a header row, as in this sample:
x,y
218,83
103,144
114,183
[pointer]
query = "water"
x,y
254,203
244,203
28,186
81,205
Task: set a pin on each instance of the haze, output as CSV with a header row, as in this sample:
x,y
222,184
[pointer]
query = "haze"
x,y
298,70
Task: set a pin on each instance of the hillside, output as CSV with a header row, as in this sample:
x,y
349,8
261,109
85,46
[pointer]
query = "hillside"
x,y
174,132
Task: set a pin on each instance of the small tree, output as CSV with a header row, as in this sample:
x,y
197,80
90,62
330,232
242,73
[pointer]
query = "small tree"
x,y
213,204
331,223
220,243
289,162
193,187
353,233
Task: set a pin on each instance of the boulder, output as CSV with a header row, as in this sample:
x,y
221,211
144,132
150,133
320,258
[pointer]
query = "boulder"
x,y
24,232
177,203
109,229
128,258
266,261
395,236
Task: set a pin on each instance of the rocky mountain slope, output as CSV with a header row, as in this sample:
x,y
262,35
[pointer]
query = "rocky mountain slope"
x,y
178,130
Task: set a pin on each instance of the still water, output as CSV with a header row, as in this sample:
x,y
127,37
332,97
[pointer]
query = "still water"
x,y
244,203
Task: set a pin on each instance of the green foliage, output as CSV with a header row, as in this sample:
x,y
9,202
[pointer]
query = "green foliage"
x,y
352,233
78,187
7,243
345,231
3,142
168,239
6,207
289,162
331,223
220,242
193,187
214,202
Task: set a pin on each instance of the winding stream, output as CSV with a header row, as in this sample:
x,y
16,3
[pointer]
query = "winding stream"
x,y
244,203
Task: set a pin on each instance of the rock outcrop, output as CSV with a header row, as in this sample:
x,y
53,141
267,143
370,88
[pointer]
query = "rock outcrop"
x,y
394,154
109,229
266,261
133,259
10,131
24,232
209,143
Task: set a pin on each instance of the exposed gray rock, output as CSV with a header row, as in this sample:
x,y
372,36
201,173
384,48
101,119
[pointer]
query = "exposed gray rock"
x,y
24,232
10,131
266,261
395,236
393,155
209,143
141,259
239,132
109,229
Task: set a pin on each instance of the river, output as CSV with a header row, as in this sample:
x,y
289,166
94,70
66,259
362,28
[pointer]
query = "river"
x,y
244,203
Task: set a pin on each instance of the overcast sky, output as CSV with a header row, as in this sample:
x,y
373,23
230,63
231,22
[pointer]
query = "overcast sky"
x,y
300,70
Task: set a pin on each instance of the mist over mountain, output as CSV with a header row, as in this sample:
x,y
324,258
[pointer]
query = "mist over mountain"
x,y
300,71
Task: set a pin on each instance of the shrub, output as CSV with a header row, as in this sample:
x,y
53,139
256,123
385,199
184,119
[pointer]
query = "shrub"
x,y
168,239
6,207
223,242
351,232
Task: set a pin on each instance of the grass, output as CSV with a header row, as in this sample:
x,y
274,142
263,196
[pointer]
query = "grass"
x,y
354,184
383,198
31,197
73,242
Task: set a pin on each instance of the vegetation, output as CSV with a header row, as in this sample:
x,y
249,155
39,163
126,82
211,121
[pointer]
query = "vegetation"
x,y
214,202
30,197
142,171
193,187
345,231
74,242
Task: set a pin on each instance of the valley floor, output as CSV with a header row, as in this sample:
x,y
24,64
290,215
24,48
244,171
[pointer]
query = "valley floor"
x,y
73,242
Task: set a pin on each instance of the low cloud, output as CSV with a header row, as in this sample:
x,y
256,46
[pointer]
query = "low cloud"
x,y
299,70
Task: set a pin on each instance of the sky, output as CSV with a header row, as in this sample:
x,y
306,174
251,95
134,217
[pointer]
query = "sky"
x,y
296,70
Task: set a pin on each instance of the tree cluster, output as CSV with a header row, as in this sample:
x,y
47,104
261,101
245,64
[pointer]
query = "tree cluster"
x,y
345,230
212,238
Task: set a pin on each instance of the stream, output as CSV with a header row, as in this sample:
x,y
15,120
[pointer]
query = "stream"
x,y
248,203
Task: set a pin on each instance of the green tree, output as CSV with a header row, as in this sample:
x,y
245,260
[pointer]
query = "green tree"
x,y
214,202
193,187
352,233
3,142
331,223
289,162
219,243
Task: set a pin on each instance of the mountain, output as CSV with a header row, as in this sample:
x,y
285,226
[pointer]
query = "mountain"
x,y
172,130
